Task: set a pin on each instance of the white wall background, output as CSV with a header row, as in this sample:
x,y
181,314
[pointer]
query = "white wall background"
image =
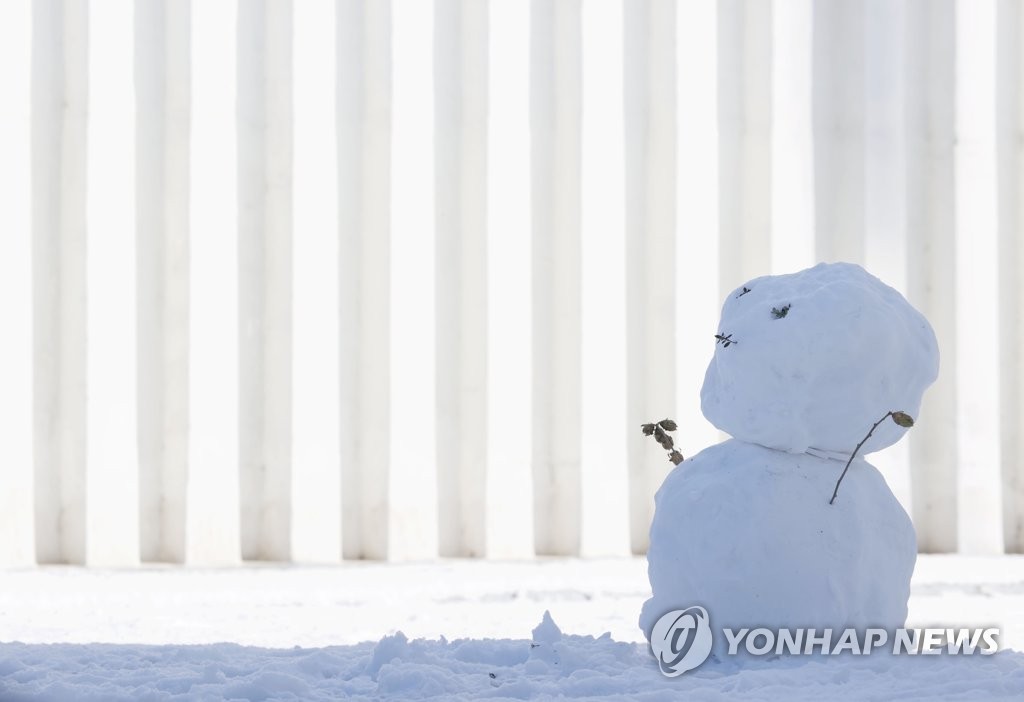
x,y
313,279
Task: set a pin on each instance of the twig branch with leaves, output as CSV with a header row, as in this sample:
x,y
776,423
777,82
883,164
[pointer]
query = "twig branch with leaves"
x,y
659,430
901,418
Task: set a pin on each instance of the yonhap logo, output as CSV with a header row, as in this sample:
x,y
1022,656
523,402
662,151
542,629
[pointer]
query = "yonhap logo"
x,y
681,640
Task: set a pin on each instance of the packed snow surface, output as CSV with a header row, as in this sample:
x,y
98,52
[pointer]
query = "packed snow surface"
x,y
748,533
568,667
815,358
303,633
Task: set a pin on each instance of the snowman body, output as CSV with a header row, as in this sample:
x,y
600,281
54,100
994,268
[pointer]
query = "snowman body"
x,y
745,528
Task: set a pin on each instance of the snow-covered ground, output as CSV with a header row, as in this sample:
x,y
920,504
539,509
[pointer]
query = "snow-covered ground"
x,y
304,633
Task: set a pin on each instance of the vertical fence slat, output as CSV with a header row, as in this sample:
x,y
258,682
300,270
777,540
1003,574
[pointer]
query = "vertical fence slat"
x,y
16,362
316,419
474,276
1010,160
59,94
277,292
603,479
884,144
977,266
744,139
264,229
448,89
151,236
929,109
555,103
697,201
161,222
509,284
112,512
177,151
460,145
792,178
885,244
413,424
349,64
213,487
650,163
363,66
838,122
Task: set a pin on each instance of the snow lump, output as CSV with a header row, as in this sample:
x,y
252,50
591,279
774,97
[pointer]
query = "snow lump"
x,y
747,532
817,357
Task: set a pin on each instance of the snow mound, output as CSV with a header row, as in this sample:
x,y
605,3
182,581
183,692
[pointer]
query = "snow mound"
x,y
815,358
748,533
588,669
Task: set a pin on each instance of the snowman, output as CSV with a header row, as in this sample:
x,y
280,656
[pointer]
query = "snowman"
x,y
804,365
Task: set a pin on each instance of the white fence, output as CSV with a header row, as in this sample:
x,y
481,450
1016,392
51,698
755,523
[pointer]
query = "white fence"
x,y
309,279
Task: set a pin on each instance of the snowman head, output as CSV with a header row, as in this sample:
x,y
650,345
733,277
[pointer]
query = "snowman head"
x,y
810,360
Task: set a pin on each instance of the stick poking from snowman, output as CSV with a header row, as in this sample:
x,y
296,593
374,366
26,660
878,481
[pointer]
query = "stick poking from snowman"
x,y
901,418
659,430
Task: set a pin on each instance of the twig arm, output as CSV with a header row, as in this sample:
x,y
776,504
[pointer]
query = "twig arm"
x,y
854,454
